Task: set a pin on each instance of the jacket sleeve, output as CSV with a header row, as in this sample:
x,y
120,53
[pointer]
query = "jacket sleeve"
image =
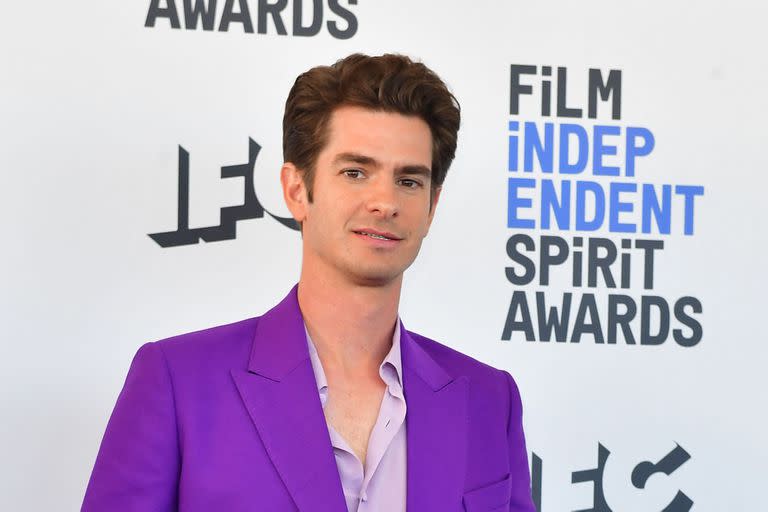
x,y
518,455
137,467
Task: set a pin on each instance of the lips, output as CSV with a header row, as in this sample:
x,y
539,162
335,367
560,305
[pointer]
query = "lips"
x,y
377,235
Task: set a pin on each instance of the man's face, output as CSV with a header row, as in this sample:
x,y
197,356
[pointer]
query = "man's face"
x,y
371,196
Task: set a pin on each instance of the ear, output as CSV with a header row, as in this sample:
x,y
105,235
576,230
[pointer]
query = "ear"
x,y
433,207
294,191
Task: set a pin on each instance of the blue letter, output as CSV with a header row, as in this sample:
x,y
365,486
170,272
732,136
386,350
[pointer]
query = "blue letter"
x,y
582,224
544,152
512,158
600,149
617,207
662,213
634,151
515,202
561,209
566,130
689,191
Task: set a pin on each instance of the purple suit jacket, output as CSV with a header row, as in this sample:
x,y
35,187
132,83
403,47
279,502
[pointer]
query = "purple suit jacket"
x,y
229,419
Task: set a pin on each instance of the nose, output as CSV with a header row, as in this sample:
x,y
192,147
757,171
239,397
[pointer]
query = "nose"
x,y
382,199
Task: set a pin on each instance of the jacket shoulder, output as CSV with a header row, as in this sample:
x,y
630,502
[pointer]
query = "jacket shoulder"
x,y
459,364
228,344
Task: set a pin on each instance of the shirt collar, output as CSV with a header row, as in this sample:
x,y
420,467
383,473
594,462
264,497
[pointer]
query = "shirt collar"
x,y
390,369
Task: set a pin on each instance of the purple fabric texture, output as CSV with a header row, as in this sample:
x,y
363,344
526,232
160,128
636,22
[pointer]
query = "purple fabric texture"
x,y
381,485
229,419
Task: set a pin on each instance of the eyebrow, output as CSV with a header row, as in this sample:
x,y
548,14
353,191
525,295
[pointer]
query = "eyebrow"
x,y
357,158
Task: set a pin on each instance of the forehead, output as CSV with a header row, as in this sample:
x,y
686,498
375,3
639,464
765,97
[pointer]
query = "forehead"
x,y
388,137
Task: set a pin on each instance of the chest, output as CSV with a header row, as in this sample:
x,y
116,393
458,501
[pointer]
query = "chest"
x,y
352,410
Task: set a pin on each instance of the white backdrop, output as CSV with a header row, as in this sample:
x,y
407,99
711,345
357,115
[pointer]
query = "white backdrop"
x,y
94,106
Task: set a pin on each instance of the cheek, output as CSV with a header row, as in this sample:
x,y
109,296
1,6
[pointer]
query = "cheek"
x,y
420,218
329,214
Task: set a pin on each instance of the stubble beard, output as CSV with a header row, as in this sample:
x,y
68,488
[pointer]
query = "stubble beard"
x,y
374,273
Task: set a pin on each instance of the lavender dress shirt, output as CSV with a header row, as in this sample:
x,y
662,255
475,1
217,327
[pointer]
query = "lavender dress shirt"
x,y
381,485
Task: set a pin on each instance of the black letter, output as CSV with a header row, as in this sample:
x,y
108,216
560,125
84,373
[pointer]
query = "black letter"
x,y
317,18
525,261
251,207
546,259
604,264
549,322
346,15
562,109
648,246
155,11
536,471
515,89
623,319
229,15
266,8
688,321
199,11
546,92
612,85
596,477
646,338
667,465
183,235
580,326
518,300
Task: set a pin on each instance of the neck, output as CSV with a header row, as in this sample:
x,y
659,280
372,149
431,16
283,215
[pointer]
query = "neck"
x,y
351,325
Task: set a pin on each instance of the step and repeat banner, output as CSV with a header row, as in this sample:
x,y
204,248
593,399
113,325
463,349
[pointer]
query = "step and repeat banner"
x,y
600,235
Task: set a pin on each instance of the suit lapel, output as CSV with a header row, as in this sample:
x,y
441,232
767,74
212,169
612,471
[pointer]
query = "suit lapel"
x,y
280,393
436,430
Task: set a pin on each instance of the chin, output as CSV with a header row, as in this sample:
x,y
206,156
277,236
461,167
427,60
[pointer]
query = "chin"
x,y
375,277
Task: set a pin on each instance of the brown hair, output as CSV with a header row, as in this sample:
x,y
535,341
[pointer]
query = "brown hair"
x,y
390,83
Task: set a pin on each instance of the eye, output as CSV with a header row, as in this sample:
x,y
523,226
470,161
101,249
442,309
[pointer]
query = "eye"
x,y
410,183
355,174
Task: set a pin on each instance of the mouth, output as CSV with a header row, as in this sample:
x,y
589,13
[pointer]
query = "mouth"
x,y
377,235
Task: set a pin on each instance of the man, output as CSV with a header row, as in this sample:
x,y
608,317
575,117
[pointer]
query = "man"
x,y
327,402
